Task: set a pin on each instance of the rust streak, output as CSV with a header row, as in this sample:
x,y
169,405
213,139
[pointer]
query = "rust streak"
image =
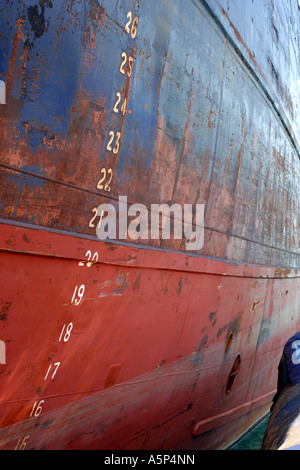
x,y
240,39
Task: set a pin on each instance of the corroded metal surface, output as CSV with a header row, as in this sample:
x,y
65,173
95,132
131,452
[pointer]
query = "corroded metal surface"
x,y
133,345
198,127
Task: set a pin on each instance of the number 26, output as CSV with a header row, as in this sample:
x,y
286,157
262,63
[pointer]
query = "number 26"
x,y
133,29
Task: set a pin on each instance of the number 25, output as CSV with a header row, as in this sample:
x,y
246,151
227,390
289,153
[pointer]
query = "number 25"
x,y
130,62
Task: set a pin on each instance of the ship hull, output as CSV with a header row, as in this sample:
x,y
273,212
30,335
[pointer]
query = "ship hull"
x,y
140,343
156,378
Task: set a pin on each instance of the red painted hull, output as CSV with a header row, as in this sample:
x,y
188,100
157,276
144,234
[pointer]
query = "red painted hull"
x,y
144,366
142,344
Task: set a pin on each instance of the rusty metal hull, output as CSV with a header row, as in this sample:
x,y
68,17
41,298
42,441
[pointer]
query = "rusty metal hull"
x,y
141,344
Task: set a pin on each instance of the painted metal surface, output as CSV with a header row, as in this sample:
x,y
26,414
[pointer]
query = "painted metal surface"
x,y
167,101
